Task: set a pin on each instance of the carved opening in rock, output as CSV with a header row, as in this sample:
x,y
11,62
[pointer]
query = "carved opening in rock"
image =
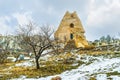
x,y
72,15
72,25
71,36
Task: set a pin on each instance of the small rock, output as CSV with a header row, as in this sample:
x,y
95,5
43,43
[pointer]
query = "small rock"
x,y
56,78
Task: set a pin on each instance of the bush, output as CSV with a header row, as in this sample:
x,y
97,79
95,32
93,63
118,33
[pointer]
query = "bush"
x,y
3,57
92,78
113,73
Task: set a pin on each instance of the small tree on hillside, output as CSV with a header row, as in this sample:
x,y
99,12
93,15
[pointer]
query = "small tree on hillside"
x,y
102,39
108,39
38,40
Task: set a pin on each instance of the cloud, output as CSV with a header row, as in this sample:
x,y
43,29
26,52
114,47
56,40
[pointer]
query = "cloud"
x,y
9,23
23,18
103,18
103,13
4,28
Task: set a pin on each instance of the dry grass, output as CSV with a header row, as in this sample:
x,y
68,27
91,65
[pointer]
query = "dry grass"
x,y
113,73
43,71
49,68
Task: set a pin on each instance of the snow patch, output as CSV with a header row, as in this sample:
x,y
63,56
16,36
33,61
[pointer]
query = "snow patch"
x,y
115,77
25,64
45,57
13,59
101,77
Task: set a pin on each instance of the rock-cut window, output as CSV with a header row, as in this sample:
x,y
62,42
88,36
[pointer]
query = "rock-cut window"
x,y
71,36
72,16
72,25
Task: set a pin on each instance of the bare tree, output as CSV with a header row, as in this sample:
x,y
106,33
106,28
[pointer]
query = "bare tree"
x,y
37,39
4,47
6,42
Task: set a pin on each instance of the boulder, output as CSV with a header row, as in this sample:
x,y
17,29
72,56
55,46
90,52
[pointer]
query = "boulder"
x,y
56,78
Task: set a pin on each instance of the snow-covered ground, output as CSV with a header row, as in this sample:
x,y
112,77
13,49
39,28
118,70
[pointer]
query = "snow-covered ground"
x,y
94,66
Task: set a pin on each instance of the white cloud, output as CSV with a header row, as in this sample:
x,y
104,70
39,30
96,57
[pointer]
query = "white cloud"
x,y
103,18
99,14
8,23
4,28
23,18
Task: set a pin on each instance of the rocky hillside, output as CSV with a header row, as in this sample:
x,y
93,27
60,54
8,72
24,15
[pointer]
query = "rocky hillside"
x,y
93,67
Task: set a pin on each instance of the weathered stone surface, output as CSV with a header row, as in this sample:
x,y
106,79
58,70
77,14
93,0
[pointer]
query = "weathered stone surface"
x,y
56,78
71,28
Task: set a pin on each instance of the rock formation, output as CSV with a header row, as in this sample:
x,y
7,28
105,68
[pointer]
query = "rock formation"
x,y
56,78
71,28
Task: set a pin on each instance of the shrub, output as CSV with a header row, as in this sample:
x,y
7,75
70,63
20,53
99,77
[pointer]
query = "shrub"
x,y
92,78
113,73
3,57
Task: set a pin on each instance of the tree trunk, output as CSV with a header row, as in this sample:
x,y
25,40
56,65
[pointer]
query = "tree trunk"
x,y
37,63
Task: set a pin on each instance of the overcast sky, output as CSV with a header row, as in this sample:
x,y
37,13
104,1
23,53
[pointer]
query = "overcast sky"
x,y
98,17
